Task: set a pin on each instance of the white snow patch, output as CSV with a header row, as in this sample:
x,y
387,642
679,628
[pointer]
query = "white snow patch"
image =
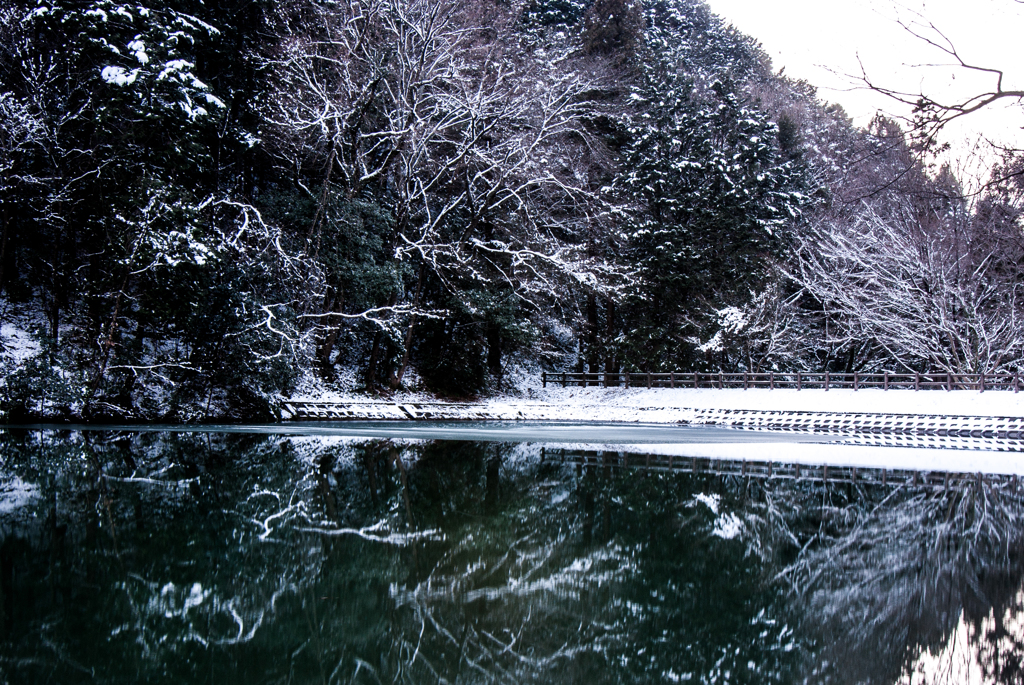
x,y
214,100
119,76
711,501
712,345
311,388
173,67
139,48
669,405
17,344
727,526
662,405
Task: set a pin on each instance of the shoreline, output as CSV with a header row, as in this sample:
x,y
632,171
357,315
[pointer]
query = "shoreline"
x,y
666,405
626,405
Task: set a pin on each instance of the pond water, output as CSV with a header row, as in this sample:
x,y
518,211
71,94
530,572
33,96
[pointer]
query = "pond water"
x,y
246,557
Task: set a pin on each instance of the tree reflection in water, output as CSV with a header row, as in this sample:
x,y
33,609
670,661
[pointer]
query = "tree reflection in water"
x,y
202,558
926,583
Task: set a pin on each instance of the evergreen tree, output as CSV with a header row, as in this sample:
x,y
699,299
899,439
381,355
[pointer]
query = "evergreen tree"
x,y
713,201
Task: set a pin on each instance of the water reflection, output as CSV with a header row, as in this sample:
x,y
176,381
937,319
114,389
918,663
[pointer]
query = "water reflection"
x,y
250,558
925,581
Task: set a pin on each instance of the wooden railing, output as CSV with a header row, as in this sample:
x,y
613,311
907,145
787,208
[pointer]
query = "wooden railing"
x,y
798,380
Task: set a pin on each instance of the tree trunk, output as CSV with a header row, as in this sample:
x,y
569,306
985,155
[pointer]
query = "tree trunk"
x,y
593,356
396,378
378,339
371,366
494,350
334,301
611,364
110,342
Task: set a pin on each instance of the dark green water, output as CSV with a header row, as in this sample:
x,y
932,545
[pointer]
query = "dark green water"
x,y
248,558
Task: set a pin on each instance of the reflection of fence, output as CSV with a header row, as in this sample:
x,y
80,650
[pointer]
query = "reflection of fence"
x,y
798,380
773,470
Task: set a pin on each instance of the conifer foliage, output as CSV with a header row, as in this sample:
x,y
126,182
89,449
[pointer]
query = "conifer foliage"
x,y
714,203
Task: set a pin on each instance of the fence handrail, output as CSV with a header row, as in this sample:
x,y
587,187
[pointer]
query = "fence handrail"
x,y
800,380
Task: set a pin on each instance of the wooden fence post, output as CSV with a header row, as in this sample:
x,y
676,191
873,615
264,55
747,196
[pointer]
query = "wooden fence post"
x,y
696,383
648,379
826,381
745,384
917,381
949,382
625,375
981,382
885,383
672,379
771,380
544,379
720,379
563,379
856,380
798,381
1016,381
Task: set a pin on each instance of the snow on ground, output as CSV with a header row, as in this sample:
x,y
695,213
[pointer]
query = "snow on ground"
x,y
17,344
662,405
644,403
311,388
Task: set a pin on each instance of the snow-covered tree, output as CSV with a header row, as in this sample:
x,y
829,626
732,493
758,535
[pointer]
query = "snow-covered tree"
x,y
714,200
938,290
468,141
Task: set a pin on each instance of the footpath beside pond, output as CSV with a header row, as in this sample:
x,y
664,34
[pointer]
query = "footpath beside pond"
x,y
873,400
664,405
866,423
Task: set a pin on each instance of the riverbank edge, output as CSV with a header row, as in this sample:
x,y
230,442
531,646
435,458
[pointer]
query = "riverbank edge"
x,y
944,431
632,405
663,405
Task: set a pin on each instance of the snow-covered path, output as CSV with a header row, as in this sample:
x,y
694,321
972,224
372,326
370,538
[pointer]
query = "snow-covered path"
x,y
646,403
662,405
890,450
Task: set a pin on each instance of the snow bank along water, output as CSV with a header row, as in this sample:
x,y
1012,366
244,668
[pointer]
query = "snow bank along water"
x,y
959,420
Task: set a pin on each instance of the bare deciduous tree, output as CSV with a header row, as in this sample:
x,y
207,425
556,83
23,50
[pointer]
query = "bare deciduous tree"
x,y
472,140
938,289
932,111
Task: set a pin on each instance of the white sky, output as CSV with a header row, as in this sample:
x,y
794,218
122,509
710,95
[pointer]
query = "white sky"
x,y
820,41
